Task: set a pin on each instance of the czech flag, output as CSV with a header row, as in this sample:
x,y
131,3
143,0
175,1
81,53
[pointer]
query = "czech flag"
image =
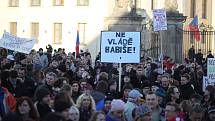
x,y
194,27
77,44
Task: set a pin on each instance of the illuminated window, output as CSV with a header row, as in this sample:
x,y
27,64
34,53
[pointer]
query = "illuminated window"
x,y
82,32
82,2
58,2
13,3
35,2
13,28
193,8
204,9
57,33
35,31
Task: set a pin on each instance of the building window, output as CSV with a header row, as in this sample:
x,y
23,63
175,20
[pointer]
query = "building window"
x,y
58,2
35,31
193,8
82,2
35,2
82,33
204,9
13,3
13,28
57,33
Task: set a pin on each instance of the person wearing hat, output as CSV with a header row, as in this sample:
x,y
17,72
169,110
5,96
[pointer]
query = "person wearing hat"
x,y
211,113
116,111
43,102
161,94
133,101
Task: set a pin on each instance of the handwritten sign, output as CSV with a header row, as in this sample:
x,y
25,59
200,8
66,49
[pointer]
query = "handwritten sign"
x,y
120,47
159,19
11,42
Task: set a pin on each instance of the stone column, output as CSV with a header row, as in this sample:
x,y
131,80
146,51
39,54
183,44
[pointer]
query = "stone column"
x,y
173,37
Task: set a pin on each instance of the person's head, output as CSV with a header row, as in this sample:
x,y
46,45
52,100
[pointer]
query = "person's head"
x,y
75,86
25,106
196,113
54,116
141,110
161,94
134,96
21,73
62,107
67,88
98,116
126,79
126,89
50,78
117,108
43,95
165,81
83,83
85,100
140,70
74,114
195,98
173,92
211,113
107,103
151,100
113,85
41,51
185,106
54,63
65,97
185,79
172,110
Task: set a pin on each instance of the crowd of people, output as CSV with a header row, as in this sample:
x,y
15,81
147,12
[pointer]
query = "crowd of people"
x,y
52,85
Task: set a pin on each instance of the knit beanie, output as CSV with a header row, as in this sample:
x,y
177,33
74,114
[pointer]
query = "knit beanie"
x,y
117,105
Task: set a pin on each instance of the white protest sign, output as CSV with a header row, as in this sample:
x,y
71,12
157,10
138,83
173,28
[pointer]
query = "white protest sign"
x,y
11,42
159,19
211,70
120,47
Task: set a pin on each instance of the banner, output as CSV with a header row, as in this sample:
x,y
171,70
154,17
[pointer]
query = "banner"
x,y
159,20
11,42
211,70
120,47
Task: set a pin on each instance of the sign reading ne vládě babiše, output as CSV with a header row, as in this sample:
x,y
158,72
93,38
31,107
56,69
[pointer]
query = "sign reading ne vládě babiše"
x,y
120,47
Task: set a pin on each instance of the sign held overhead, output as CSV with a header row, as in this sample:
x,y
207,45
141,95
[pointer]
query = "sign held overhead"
x,y
159,19
120,47
11,42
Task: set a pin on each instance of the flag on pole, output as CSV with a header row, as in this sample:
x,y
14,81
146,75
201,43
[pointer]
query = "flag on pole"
x,y
77,44
194,27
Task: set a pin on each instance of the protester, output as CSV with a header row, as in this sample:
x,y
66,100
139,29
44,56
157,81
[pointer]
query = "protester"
x,y
25,108
116,111
64,81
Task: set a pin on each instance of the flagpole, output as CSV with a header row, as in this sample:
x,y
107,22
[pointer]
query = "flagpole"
x,y
161,52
